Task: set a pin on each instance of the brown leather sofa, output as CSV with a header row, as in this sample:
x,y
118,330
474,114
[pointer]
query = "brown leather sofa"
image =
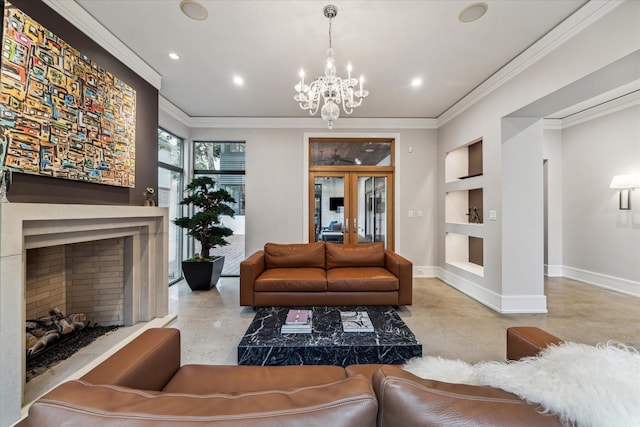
x,y
143,384
325,274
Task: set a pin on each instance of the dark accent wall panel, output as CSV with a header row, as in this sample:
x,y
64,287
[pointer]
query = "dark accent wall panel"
x,y
475,159
475,201
41,189
476,250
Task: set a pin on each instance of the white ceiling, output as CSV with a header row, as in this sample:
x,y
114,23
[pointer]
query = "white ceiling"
x,y
267,42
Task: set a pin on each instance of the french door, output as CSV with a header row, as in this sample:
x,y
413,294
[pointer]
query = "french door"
x,y
351,207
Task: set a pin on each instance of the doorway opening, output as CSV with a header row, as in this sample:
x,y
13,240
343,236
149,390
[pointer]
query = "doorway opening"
x,y
351,190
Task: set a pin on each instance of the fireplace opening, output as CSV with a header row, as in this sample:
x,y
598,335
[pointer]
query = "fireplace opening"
x,y
74,294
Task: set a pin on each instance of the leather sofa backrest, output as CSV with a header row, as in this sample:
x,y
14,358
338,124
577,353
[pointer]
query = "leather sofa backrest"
x,y
408,400
294,255
345,403
362,255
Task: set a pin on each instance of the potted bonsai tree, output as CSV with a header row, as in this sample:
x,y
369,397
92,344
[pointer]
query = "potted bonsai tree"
x,y
203,270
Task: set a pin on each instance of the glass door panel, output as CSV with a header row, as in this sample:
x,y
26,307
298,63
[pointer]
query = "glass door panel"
x,y
351,207
328,208
169,195
371,209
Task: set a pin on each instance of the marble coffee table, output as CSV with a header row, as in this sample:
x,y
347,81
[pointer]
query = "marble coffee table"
x,y
391,343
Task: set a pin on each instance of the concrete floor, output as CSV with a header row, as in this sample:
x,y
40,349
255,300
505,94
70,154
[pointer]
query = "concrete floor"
x,y
448,323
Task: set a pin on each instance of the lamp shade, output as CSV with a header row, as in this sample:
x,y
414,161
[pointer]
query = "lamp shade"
x,y
625,181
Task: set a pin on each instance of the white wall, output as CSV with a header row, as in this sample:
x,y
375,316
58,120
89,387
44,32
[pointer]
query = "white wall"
x,y
552,153
601,244
277,185
543,88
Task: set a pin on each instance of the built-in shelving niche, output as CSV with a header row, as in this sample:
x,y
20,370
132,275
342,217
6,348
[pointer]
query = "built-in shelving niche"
x,y
464,208
465,252
464,162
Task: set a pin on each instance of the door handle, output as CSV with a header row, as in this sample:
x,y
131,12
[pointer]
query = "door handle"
x,y
355,225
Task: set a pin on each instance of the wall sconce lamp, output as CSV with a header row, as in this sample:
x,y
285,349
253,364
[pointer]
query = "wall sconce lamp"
x,y
625,183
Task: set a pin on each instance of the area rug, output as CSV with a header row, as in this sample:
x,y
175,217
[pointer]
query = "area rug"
x,y
582,384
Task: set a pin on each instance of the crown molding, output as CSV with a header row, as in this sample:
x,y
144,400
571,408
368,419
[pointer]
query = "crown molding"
x,y
291,122
168,107
552,124
310,123
574,24
591,113
618,104
81,19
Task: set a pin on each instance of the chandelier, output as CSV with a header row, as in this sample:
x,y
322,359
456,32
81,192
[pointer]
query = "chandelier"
x,y
330,90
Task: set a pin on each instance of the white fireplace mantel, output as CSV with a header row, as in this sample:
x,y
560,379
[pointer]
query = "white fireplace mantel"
x,y
31,225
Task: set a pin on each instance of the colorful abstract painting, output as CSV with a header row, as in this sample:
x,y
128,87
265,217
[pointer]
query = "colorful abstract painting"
x,y
61,114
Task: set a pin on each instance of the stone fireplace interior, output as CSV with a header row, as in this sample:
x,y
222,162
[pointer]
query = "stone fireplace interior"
x,y
85,277
108,262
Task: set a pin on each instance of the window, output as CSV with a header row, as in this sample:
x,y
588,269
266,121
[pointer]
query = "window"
x,y
170,185
225,163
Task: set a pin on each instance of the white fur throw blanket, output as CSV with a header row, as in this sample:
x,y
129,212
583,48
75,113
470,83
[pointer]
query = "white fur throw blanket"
x,y
584,385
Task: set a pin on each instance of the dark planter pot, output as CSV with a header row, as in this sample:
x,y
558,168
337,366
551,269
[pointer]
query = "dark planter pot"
x,y
202,276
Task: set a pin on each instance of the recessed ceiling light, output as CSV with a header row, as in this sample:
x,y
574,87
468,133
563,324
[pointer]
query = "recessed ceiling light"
x,y
416,82
174,56
473,12
239,81
194,10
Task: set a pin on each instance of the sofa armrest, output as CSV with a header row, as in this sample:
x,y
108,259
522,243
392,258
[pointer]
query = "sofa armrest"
x,y
408,400
526,341
147,363
250,269
403,269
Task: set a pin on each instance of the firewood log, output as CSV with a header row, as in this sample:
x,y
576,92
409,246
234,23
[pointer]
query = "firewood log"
x,y
46,320
57,313
77,317
30,340
47,338
63,326
31,325
77,325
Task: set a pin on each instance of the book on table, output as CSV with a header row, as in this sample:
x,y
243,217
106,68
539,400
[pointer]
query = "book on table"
x,y
356,321
297,322
298,317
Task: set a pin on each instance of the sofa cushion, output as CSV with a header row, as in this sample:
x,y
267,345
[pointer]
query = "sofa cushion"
x,y
345,403
362,255
205,379
407,400
291,279
294,255
358,279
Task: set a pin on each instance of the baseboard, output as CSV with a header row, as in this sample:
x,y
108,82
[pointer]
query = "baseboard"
x,y
613,283
468,287
521,304
553,270
531,304
425,271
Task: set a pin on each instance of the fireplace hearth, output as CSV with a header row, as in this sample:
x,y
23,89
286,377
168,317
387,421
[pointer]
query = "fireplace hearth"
x,y
143,233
